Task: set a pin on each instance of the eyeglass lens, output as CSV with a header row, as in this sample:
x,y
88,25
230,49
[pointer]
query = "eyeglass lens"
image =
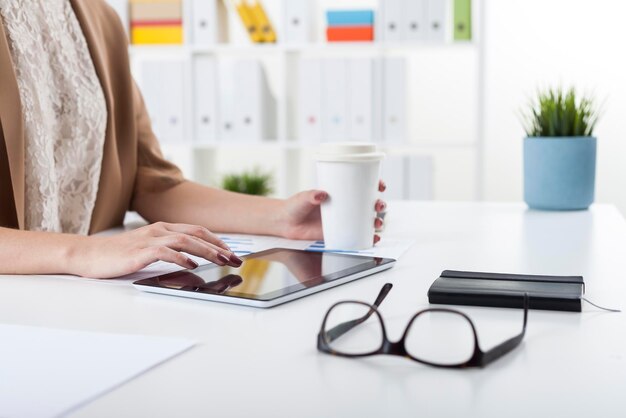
x,y
437,337
353,329
440,337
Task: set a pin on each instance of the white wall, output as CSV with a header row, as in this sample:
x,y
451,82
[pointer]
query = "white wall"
x,y
535,43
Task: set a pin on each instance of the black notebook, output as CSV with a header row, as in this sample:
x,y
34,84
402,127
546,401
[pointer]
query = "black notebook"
x,y
561,293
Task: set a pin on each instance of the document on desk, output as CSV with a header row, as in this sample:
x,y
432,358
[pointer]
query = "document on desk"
x,y
386,248
48,372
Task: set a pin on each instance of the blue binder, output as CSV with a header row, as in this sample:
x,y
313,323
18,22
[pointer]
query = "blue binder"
x,y
350,17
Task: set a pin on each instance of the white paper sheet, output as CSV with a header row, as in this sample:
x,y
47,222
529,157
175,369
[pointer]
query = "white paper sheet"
x,y
51,372
386,248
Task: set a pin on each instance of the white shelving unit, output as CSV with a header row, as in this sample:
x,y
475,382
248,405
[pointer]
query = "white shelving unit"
x,y
452,137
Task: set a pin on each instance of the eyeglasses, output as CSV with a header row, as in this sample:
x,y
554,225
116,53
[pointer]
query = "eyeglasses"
x,y
436,337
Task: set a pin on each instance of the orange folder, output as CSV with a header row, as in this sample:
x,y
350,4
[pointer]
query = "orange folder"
x,y
349,33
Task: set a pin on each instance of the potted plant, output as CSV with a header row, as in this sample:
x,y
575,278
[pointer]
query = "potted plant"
x,y
560,151
252,182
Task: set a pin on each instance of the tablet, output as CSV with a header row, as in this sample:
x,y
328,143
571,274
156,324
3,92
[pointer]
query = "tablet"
x,y
266,278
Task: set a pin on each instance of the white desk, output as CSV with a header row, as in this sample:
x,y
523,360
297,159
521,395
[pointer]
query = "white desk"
x,y
253,362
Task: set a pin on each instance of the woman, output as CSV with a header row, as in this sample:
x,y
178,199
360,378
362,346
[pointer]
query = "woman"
x,y
77,152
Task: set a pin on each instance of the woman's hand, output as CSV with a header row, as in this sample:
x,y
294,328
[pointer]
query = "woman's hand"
x,y
117,255
303,218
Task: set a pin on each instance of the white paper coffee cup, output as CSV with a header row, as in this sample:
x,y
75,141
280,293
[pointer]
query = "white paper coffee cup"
x,y
349,172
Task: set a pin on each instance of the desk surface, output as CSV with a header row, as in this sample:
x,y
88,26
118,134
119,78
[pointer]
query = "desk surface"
x,y
252,362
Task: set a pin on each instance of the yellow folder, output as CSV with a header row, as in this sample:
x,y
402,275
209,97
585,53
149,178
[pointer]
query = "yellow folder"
x,y
263,23
156,34
248,21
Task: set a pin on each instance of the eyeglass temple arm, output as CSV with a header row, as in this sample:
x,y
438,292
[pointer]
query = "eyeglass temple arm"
x,y
501,349
340,329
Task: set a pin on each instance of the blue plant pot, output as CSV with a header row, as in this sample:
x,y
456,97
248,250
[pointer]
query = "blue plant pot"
x,y
559,172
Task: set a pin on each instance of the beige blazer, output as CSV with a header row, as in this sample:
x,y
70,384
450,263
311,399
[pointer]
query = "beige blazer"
x,y
132,161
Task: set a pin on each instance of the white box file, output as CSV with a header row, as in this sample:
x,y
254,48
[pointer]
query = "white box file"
x,y
408,177
378,97
162,83
437,20
416,19
420,177
394,173
394,121
392,13
297,21
227,129
255,108
361,99
310,99
204,22
334,99
205,93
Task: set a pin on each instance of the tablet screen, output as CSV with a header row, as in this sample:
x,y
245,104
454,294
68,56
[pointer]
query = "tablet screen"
x,y
268,274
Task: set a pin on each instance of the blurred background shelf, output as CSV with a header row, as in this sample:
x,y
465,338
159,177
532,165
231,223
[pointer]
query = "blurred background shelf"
x,y
459,92
282,145
434,137
319,47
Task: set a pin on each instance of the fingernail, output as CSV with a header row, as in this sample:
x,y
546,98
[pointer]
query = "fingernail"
x,y
321,196
236,260
376,239
192,263
383,186
383,206
223,258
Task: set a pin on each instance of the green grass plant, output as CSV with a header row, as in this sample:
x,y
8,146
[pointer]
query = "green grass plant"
x,y
557,112
253,182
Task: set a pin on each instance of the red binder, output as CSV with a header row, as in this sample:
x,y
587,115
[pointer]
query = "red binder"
x,y
349,33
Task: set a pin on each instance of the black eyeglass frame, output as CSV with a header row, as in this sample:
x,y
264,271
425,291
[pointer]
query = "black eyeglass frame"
x,y
479,357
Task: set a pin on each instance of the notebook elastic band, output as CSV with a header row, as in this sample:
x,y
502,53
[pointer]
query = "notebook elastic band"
x,y
600,307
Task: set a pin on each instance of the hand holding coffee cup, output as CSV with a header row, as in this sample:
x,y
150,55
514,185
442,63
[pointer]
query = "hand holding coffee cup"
x,y
349,173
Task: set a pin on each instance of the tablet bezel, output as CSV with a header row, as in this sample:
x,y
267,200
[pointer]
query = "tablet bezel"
x,y
277,297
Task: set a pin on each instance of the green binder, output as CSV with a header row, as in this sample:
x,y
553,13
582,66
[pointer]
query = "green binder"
x,y
462,20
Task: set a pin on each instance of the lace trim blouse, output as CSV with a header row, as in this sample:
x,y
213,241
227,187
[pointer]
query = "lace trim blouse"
x,y
64,113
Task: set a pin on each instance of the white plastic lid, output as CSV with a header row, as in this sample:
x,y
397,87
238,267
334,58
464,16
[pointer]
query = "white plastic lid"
x,y
348,152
